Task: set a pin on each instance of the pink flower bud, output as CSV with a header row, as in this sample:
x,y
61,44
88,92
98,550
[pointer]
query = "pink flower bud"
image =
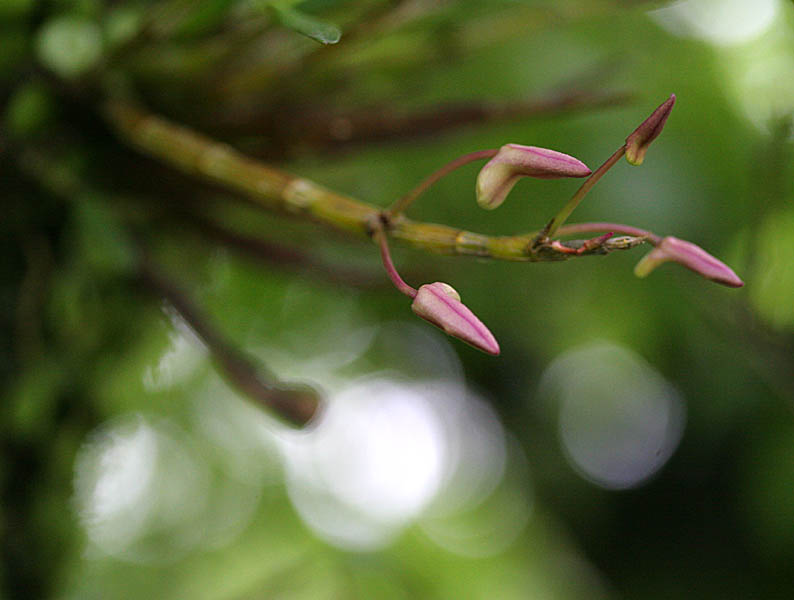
x,y
514,161
692,257
637,143
440,304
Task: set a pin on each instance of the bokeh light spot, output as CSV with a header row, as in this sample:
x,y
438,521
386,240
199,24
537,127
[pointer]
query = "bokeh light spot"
x,y
722,22
485,523
619,421
371,464
184,354
139,489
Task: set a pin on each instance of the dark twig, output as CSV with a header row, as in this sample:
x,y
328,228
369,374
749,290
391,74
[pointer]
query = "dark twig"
x,y
322,129
284,256
295,404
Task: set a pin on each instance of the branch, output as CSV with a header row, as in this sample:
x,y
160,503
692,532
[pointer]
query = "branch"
x,y
277,190
297,405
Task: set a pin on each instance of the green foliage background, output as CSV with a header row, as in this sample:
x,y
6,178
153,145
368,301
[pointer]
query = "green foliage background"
x,y
80,332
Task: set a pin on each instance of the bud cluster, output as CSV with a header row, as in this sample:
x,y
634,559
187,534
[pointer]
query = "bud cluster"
x,y
440,304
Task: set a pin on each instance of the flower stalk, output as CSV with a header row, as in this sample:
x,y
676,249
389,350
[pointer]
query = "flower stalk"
x,y
571,205
402,204
634,149
438,303
380,237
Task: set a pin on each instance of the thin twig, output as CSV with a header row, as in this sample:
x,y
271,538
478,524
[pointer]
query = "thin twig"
x,y
402,204
277,254
335,130
297,404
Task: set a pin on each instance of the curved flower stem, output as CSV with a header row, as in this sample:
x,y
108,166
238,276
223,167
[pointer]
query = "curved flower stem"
x,y
403,203
613,227
380,237
566,211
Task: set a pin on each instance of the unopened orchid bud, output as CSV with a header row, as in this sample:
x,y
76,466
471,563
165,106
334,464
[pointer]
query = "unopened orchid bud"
x,y
637,143
692,257
440,304
514,161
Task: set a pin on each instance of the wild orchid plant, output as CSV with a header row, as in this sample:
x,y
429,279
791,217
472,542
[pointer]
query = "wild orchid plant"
x,y
440,304
436,302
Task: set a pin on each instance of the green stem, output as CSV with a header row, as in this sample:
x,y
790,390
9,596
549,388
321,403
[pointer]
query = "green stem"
x,y
403,203
566,211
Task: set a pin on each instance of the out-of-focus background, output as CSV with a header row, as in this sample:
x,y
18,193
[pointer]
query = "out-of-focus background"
x,y
634,440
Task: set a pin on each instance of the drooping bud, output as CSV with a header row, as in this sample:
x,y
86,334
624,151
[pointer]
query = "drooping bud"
x,y
692,257
440,304
514,161
637,143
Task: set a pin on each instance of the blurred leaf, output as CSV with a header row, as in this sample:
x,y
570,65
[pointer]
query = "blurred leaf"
x,y
325,33
103,243
771,294
15,45
29,110
208,14
14,9
32,401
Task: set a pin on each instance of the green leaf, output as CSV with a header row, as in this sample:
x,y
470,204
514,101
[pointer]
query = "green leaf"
x,y
15,9
30,110
325,33
101,238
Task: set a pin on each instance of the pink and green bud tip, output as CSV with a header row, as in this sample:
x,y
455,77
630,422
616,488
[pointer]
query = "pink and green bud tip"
x,y
440,304
637,143
692,257
514,161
